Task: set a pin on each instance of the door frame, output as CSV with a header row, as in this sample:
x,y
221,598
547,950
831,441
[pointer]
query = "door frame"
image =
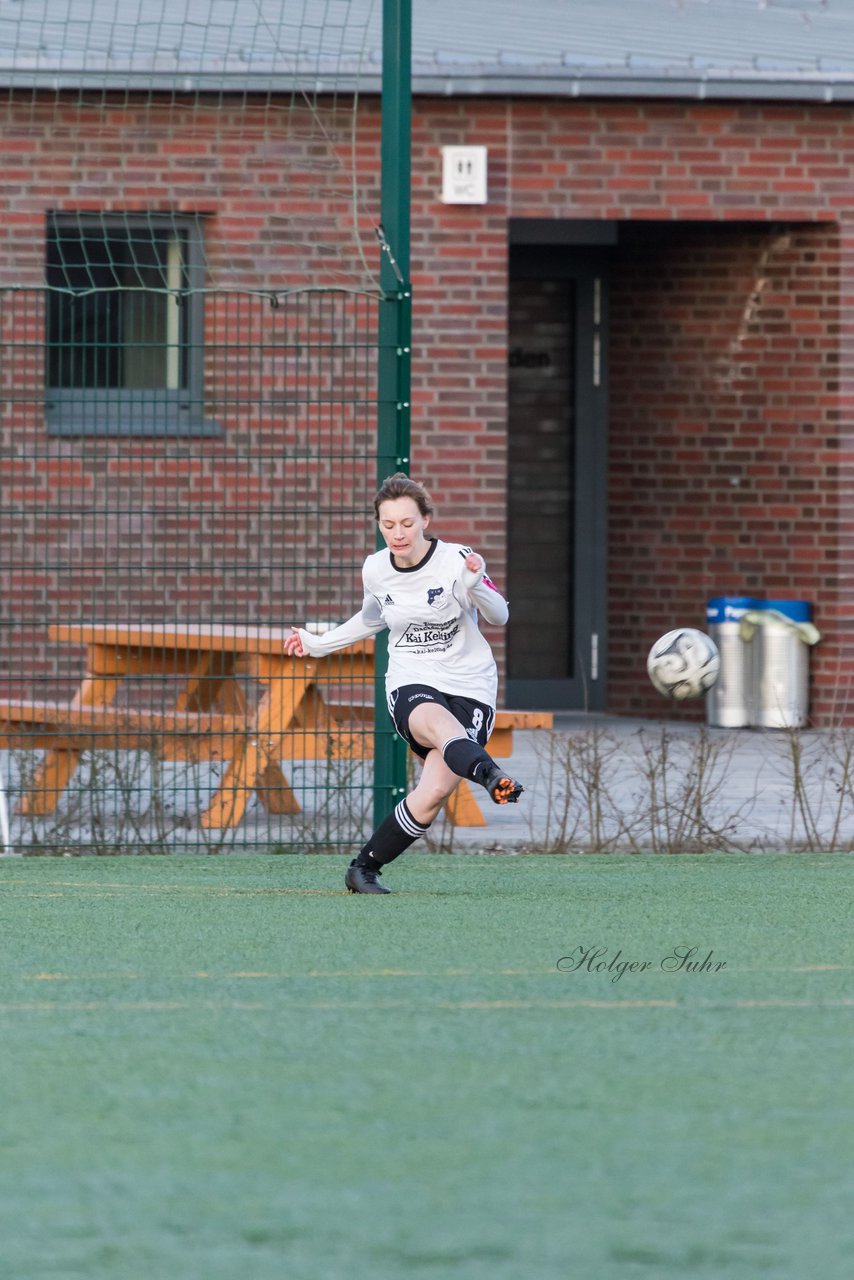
x,y
587,267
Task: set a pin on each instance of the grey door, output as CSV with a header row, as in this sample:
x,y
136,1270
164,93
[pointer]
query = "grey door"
x,y
557,479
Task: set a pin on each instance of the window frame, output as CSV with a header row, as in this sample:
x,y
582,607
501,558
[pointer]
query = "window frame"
x,y
93,411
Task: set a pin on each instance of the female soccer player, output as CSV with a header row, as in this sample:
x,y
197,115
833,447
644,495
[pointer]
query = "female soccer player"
x,y
441,681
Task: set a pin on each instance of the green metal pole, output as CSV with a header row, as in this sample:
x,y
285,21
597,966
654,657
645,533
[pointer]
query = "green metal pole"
x,y
395,336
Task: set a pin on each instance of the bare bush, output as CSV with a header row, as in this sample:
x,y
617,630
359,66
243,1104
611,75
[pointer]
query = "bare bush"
x,y
656,791
818,773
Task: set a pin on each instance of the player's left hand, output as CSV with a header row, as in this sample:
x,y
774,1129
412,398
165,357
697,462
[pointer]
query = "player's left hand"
x,y
471,574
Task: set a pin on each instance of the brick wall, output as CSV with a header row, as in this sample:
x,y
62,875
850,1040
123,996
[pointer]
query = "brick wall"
x,y
724,445
267,522
731,359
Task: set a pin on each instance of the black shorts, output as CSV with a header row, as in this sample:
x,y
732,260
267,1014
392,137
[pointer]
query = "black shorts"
x,y
477,718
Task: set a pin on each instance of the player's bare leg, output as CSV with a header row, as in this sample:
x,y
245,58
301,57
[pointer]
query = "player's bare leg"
x,y
434,726
433,790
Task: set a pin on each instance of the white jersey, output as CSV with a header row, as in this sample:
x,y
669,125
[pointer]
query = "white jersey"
x,y
431,616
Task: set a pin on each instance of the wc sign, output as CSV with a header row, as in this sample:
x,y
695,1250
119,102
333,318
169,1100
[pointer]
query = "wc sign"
x,y
464,175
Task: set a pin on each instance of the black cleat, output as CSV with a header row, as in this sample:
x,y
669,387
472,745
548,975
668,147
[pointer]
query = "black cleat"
x,y
502,788
363,879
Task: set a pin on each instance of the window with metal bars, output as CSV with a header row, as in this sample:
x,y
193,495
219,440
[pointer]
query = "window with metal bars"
x,y
124,325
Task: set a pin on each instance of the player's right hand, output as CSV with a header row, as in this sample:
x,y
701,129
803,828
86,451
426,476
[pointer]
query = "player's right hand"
x,y
294,646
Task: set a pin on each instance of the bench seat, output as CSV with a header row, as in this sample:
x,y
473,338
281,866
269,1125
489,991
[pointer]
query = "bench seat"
x,y
340,727
500,743
33,725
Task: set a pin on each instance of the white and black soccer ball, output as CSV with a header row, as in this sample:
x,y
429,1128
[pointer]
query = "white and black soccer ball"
x,y
684,664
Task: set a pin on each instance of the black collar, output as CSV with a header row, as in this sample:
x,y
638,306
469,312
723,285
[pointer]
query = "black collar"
x,y
434,542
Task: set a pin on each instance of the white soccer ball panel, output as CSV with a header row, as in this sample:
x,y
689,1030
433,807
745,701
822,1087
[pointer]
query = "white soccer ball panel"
x,y
684,663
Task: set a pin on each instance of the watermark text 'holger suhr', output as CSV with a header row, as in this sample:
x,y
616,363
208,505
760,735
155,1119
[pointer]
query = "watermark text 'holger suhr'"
x,y
681,959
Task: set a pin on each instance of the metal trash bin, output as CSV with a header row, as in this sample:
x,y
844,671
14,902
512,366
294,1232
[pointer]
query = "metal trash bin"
x,y
780,633
728,702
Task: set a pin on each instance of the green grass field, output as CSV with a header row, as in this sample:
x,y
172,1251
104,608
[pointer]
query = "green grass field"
x,y
228,1068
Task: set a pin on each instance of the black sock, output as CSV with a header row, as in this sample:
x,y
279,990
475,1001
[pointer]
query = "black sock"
x,y
394,835
466,758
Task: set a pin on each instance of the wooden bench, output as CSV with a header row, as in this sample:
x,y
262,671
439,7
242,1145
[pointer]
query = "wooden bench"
x,y
65,730
117,727
348,703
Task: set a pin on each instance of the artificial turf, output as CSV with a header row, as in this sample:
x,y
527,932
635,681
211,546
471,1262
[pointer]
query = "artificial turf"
x,y
226,1067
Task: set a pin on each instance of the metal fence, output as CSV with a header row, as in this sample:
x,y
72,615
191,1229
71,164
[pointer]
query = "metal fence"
x,y
150,573
204,362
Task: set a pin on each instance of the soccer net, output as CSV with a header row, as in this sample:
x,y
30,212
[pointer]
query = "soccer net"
x,y
189,285
217,108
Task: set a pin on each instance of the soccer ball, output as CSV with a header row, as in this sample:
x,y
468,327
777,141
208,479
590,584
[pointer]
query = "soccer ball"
x,y
684,664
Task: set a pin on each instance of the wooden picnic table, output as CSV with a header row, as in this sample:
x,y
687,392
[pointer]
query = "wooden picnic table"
x,y
310,708
209,659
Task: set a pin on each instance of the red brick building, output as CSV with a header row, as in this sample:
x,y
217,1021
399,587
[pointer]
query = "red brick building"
x,y
632,363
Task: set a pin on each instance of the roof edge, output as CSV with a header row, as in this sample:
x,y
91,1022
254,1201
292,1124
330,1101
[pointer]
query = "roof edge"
x,y
813,86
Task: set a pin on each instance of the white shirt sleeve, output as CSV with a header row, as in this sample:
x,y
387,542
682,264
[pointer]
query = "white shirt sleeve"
x,y
367,622
482,593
